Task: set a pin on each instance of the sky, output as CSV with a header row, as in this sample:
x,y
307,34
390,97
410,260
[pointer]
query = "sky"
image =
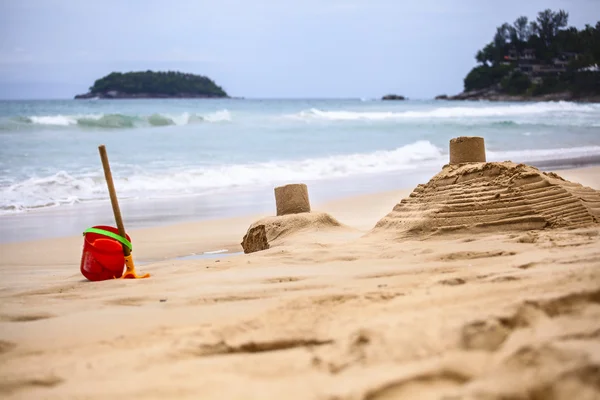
x,y
258,48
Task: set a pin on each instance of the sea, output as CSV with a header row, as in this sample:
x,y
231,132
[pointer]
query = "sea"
x,y
187,160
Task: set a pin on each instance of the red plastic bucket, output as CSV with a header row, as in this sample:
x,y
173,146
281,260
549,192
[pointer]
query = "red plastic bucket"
x,y
102,256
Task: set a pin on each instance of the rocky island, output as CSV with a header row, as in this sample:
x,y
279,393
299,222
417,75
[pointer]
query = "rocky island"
x,y
153,85
541,60
393,97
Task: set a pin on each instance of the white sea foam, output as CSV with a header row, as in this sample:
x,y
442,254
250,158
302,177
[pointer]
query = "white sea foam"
x,y
124,121
216,251
534,109
543,154
68,188
219,116
53,190
59,120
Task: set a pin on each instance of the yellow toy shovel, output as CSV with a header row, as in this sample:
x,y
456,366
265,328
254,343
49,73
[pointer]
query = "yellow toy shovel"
x,y
130,267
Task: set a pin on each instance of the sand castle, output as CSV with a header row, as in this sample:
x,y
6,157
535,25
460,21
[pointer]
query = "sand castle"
x,y
471,194
293,216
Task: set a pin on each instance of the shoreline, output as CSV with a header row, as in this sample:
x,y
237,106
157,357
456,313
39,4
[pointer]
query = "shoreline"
x,y
125,96
175,241
171,240
227,203
491,94
68,220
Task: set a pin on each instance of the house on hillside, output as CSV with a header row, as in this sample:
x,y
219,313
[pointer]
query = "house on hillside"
x,y
529,54
590,68
525,55
528,63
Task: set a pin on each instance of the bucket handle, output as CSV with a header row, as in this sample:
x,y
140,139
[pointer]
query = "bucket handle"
x,y
110,235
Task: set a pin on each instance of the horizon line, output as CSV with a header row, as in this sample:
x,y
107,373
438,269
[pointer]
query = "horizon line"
x,y
230,98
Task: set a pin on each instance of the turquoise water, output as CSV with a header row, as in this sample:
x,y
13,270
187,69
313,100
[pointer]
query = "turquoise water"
x,y
175,149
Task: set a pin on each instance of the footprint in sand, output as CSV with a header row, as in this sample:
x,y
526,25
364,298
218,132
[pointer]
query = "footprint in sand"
x,y
283,279
452,282
226,299
506,278
25,317
382,275
435,384
489,334
529,237
301,288
526,265
471,255
9,386
128,301
382,296
6,346
334,299
250,347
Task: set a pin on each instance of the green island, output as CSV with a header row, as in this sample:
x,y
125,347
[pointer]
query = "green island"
x,y
542,59
150,84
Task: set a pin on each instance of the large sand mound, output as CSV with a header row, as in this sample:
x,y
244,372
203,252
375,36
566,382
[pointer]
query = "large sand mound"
x,y
505,196
271,231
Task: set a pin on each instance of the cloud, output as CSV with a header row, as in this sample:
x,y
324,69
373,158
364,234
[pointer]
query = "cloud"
x,y
20,56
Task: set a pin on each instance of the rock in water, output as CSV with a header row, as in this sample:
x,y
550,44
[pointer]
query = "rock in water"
x,y
393,97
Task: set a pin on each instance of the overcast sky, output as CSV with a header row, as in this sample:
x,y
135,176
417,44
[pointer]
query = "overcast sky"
x,y
258,48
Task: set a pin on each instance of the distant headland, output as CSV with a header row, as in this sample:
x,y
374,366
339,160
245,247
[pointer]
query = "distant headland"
x,y
153,85
538,60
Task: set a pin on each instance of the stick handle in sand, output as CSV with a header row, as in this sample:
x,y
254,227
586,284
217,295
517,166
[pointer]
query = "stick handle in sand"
x,y
113,195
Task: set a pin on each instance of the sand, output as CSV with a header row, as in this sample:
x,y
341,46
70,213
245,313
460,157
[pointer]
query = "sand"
x,y
348,312
269,232
493,196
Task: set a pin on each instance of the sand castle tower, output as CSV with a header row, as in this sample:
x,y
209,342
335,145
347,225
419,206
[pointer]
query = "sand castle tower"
x,y
470,194
467,149
294,217
292,199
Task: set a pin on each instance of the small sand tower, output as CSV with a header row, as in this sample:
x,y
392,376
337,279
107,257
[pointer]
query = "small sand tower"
x,y
293,217
292,199
467,149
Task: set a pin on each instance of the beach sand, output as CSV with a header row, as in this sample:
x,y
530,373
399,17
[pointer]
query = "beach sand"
x,y
339,312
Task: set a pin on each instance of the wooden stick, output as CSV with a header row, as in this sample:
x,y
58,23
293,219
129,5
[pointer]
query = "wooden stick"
x,y
113,196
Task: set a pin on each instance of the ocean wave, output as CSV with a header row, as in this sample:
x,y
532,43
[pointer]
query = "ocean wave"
x,y
64,187
543,154
513,110
111,121
68,188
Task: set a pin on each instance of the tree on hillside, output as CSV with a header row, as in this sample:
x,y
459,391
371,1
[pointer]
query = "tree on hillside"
x,y
521,29
553,43
519,33
163,83
548,24
486,55
501,39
